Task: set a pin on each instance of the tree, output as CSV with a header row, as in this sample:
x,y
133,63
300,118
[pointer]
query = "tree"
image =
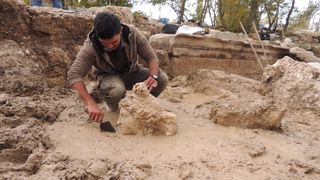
x,y
199,10
232,12
181,11
254,14
178,6
302,19
289,14
271,8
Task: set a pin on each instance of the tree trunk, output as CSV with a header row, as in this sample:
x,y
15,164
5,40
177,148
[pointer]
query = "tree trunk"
x,y
274,23
181,11
220,13
199,9
254,12
288,17
205,10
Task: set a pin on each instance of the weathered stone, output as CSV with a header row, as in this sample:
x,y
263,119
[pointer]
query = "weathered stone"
x,y
124,13
287,42
141,112
304,55
246,111
294,83
191,52
307,33
149,25
237,101
228,35
175,94
218,82
308,40
316,49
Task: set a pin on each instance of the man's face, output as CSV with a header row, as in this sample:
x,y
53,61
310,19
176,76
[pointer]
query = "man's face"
x,y
112,43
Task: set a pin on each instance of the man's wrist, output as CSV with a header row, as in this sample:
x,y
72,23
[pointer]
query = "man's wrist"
x,y
155,77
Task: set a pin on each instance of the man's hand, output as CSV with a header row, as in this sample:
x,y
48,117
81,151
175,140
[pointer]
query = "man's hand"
x,y
151,83
95,114
152,80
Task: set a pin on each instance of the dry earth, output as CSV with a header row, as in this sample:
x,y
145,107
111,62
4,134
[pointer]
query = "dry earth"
x,y
229,126
45,133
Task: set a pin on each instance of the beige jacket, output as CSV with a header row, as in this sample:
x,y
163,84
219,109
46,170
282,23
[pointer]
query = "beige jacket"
x,y
90,55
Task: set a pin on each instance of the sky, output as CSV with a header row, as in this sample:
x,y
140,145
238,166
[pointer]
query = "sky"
x,y
158,11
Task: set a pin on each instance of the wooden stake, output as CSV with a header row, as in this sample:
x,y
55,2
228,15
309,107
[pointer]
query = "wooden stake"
x,y
264,51
254,51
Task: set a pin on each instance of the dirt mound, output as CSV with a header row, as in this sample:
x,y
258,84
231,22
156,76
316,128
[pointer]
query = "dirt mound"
x,y
19,74
23,143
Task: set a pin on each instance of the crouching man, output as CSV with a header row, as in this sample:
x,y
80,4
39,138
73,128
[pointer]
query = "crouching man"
x,y
112,48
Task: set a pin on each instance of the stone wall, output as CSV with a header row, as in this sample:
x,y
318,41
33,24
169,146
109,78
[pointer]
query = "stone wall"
x,y
190,52
308,40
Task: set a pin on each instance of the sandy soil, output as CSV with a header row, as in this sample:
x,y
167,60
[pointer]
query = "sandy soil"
x,y
200,150
47,136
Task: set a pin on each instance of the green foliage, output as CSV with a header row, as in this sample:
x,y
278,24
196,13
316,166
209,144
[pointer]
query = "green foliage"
x,y
28,2
234,12
302,20
154,2
138,14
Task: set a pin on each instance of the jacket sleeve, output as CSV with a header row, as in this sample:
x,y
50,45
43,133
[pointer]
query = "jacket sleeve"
x,y
144,48
81,65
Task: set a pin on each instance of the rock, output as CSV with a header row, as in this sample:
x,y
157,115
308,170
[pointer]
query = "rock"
x,y
258,112
316,49
141,112
304,55
123,13
295,84
176,94
191,52
237,101
256,150
307,33
213,82
287,43
144,166
174,99
185,173
229,35
98,168
145,24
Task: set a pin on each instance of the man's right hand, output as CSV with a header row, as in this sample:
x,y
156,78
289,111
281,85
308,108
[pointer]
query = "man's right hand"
x,y
95,114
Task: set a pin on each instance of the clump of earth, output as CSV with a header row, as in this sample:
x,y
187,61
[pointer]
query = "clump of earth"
x,y
45,132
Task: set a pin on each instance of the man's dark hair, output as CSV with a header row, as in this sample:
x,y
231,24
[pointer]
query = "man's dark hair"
x,y
106,25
